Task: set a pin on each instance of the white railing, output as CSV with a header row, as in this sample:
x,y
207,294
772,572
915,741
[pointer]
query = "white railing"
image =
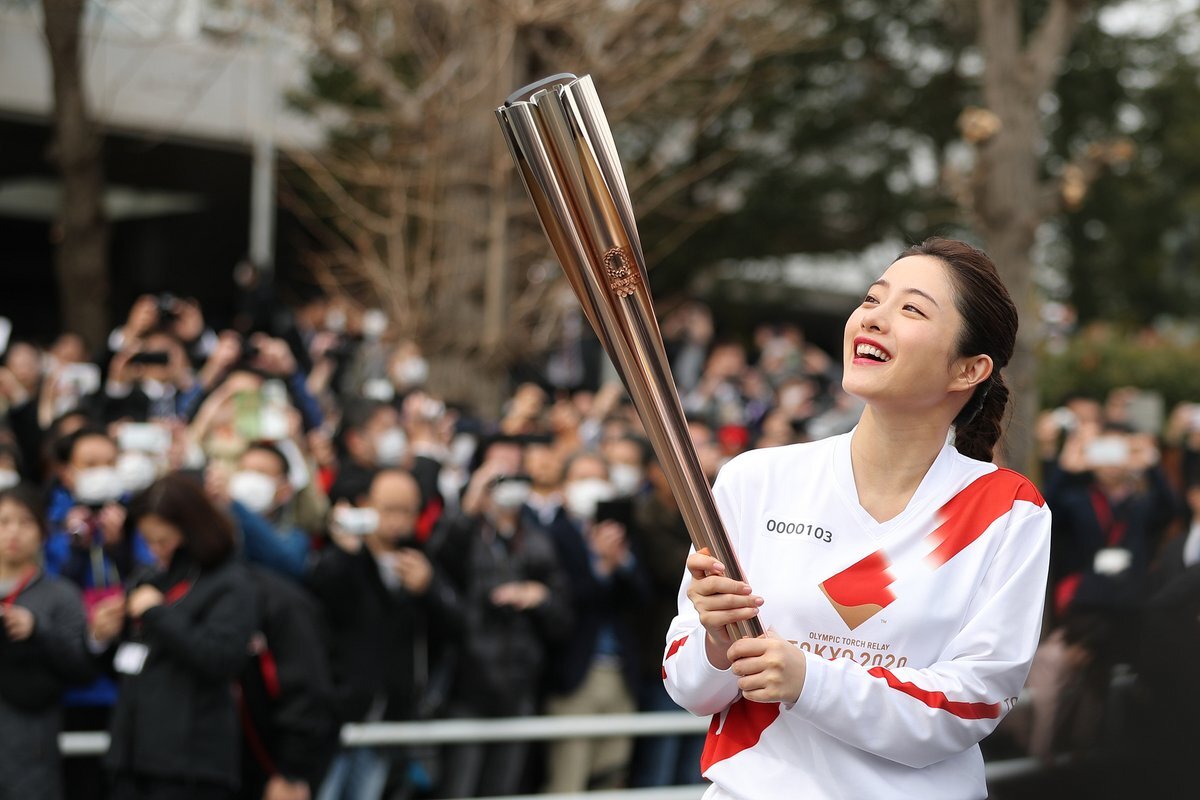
x,y
535,728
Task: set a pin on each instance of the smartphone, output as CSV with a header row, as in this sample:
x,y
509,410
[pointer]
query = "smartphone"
x,y
620,510
144,437
355,521
1107,451
247,415
151,358
80,379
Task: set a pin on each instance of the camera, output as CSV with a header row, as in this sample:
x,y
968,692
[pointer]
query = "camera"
x,y
355,521
166,308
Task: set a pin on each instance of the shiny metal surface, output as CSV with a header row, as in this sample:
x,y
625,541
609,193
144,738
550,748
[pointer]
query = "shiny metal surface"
x,y
565,153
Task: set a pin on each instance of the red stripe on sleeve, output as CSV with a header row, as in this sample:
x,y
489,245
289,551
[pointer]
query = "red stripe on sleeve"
x,y
938,699
972,511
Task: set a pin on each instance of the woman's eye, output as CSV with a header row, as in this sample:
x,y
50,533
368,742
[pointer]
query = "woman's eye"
x,y
914,309
870,299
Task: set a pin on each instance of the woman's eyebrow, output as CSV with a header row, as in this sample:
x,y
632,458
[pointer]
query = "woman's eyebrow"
x,y
926,295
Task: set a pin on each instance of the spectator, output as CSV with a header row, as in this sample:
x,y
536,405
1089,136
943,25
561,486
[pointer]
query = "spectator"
x,y
663,543
515,600
42,650
178,639
289,723
88,542
263,504
594,670
393,615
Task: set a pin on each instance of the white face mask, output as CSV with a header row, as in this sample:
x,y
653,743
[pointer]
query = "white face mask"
x,y
254,490
137,471
582,496
98,485
374,323
462,447
510,495
626,479
8,479
411,372
391,447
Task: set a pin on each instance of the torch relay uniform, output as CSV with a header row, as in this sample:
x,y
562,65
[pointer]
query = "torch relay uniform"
x,y
918,631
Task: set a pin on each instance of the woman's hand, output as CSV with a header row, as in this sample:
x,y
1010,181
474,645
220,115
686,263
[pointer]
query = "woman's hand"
x,y
18,623
143,599
720,601
770,669
107,619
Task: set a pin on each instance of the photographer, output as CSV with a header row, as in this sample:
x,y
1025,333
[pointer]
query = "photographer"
x,y
180,318
178,639
1111,504
42,650
393,615
88,543
516,603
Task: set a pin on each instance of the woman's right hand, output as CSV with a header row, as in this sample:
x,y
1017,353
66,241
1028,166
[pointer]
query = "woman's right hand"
x,y
720,601
107,619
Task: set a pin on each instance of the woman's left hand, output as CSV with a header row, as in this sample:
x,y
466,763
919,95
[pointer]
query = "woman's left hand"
x,y
18,623
142,599
770,669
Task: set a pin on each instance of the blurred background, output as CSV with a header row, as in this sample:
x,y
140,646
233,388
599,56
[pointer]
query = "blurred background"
x,y
225,223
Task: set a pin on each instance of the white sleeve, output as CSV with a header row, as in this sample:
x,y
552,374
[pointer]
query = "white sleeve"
x,y
691,680
918,717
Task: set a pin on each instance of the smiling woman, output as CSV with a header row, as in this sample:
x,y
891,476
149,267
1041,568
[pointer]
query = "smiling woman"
x,y
923,604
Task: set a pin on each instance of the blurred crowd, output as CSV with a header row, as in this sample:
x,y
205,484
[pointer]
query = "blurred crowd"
x,y
222,545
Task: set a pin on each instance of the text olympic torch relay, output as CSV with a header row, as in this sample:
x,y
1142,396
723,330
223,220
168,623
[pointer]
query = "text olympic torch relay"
x,y
565,153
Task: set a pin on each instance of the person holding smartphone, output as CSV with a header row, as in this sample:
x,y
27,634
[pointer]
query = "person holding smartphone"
x,y
899,577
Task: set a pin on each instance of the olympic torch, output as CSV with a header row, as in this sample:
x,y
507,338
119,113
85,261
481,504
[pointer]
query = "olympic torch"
x,y
565,153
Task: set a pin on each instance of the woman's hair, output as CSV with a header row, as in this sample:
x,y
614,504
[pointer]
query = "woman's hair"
x,y
989,328
27,495
208,533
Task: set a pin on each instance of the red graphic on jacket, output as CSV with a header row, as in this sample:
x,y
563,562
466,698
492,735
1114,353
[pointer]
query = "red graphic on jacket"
x,y
738,728
862,590
672,650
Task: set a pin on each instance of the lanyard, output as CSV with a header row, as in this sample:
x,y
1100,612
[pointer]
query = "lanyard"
x,y
25,579
177,592
1113,530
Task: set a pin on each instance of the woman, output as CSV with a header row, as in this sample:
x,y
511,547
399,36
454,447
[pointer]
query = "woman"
x,y
184,635
42,650
901,578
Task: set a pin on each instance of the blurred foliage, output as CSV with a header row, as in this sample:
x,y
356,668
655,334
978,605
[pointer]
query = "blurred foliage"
x,y
841,146
1133,248
1103,357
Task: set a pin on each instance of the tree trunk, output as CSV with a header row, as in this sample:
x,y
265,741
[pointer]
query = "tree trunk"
x,y
1008,186
81,260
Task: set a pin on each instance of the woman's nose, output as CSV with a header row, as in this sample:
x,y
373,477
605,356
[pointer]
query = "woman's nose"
x,y
873,319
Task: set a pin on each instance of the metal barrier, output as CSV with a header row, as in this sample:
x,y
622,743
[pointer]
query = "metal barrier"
x,y
536,728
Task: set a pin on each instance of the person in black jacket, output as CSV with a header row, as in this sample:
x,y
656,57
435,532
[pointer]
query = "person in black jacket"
x,y
595,670
393,616
289,724
184,632
516,601
42,650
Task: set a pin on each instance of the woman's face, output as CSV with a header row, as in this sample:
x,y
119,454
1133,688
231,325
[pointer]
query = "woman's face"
x,y
161,537
900,343
20,537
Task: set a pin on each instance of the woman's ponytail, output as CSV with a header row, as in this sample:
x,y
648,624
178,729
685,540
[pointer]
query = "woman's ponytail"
x,y
981,422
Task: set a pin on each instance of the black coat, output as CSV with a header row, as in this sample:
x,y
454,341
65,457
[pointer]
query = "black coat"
x,y
290,723
177,718
595,602
504,650
384,643
33,674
